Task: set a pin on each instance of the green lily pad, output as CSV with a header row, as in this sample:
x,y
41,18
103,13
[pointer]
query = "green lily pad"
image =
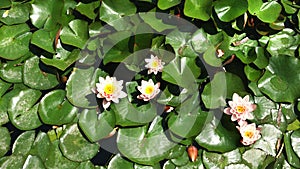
x,y
5,4
228,10
46,14
55,158
95,126
156,22
75,34
119,162
41,146
14,37
16,14
144,145
281,85
215,160
22,109
4,86
112,10
295,142
269,11
88,9
181,160
12,162
75,147
128,114
214,137
55,110
4,141
33,162
162,4
216,92
263,111
23,143
11,73
80,85
44,39
86,165
257,158
198,9
36,78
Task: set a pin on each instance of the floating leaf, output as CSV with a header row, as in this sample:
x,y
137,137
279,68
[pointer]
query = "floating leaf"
x,y
96,126
144,145
22,109
75,147
13,161
55,110
36,78
14,37
88,9
33,162
119,162
75,34
23,143
295,142
16,14
41,145
198,9
162,4
269,11
44,39
215,160
281,84
228,10
4,141
11,73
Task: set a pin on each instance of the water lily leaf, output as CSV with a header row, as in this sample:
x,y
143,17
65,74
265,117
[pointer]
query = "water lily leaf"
x,y
162,4
263,111
255,157
237,166
215,160
13,161
156,22
214,94
36,78
119,162
14,37
198,9
262,59
269,11
181,160
182,72
254,6
270,134
80,85
55,158
128,114
295,142
111,10
75,147
23,143
88,9
33,162
281,84
16,14
139,166
41,146
252,73
46,14
201,44
144,145
55,110
214,137
228,10
4,141
44,39
86,165
22,109
75,34
96,126
11,73
4,86
5,4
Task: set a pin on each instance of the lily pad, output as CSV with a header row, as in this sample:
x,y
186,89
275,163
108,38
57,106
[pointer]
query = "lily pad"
x,y
4,141
33,162
295,142
119,162
228,10
162,4
88,9
215,160
16,14
198,9
144,145
22,109
36,78
23,143
11,73
44,39
55,110
96,126
14,37
281,85
75,147
41,146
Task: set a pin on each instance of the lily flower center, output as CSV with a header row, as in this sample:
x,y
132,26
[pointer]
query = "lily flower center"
x,y
240,109
149,90
249,134
155,64
109,88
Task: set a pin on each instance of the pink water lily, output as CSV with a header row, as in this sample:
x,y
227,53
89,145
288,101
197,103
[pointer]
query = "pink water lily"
x,y
154,64
240,108
110,89
249,133
148,90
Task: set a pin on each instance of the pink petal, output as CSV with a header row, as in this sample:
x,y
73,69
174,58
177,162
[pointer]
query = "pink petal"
x,y
227,111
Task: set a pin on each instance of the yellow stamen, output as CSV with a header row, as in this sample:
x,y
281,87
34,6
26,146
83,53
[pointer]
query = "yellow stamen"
x,y
240,109
149,89
109,88
154,63
249,134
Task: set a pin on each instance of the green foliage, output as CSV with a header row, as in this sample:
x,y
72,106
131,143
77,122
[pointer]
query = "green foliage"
x,y
53,113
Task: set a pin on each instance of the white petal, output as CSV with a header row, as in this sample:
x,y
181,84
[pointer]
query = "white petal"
x,y
105,104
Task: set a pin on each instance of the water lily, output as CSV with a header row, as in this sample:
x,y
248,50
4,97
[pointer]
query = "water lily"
x,y
148,90
110,89
249,133
240,108
154,64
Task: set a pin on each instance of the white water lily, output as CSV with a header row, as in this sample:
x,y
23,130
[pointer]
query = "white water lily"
x,y
249,133
148,90
154,64
110,89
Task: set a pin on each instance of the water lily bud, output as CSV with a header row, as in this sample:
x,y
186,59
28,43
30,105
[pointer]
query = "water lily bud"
x,y
192,152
